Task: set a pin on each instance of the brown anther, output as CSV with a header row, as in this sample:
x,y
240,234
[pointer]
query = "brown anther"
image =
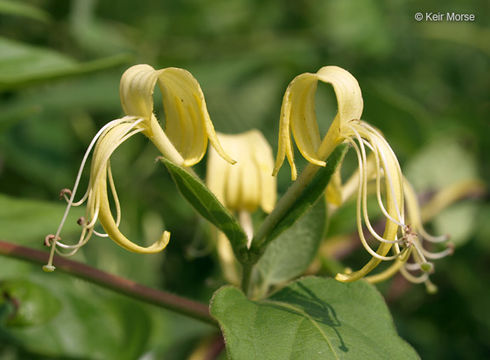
x,y
64,192
81,221
48,239
450,246
408,229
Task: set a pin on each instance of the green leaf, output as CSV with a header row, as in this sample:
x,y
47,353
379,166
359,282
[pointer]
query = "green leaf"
x,y
31,304
291,253
91,324
22,64
206,204
311,192
25,221
25,10
313,318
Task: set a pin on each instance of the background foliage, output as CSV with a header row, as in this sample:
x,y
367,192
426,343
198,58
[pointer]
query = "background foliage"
x,y
425,85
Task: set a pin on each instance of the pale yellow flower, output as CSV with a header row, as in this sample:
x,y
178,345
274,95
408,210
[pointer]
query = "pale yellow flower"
x,y
249,183
187,123
242,187
299,119
184,142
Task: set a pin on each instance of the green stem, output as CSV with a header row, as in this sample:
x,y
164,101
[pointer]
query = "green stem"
x,y
118,284
292,194
295,193
246,275
258,242
284,204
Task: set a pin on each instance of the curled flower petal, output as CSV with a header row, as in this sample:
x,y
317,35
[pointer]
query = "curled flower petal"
x,y
107,140
107,221
376,161
187,123
298,116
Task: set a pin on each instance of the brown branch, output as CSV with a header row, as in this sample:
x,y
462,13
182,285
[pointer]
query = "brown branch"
x,y
116,283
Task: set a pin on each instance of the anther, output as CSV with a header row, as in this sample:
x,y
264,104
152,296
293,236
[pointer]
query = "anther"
x,y
450,247
65,193
81,221
48,239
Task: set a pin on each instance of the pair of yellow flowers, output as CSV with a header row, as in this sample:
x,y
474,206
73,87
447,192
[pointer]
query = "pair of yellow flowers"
x,y
250,183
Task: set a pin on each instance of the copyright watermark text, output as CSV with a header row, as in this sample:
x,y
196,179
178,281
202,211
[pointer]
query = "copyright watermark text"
x,y
447,17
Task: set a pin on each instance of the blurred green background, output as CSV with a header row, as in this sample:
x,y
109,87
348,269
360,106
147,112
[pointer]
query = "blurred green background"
x,y
426,85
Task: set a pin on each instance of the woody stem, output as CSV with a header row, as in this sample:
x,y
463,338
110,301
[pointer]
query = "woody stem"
x,y
118,284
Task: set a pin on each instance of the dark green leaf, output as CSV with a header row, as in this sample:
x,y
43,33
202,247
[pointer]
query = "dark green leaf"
x,y
291,252
31,303
312,318
92,324
21,9
22,64
311,193
206,204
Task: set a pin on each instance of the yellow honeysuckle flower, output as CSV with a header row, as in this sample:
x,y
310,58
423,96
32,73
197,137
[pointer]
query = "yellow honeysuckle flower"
x,y
247,184
299,119
298,116
242,187
187,123
184,142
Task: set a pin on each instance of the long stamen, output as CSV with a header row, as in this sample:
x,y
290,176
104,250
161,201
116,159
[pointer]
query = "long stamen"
x,y
379,175
100,134
375,137
414,214
419,255
414,279
398,208
87,193
394,199
364,197
49,267
84,238
358,209
438,255
102,165
412,266
392,270
375,149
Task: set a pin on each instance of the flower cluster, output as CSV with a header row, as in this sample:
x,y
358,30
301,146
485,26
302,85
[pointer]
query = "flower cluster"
x,y
184,141
250,184
403,236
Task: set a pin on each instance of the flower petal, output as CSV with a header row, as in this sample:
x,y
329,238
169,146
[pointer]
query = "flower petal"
x,y
249,183
136,90
298,114
187,122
